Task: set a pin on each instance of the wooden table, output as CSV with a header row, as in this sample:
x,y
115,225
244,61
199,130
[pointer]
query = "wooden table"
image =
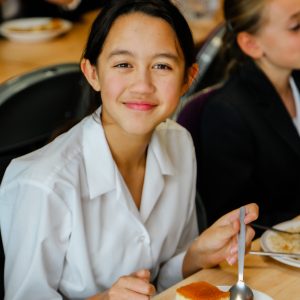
x,y
17,58
280,281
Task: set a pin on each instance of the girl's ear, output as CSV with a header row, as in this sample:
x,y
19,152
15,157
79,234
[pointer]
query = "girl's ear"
x,y
90,73
249,44
191,75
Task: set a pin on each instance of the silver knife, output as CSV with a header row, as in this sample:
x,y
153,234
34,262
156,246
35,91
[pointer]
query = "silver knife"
x,y
270,253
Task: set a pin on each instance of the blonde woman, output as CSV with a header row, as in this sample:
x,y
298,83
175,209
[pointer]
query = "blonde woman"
x,y
249,143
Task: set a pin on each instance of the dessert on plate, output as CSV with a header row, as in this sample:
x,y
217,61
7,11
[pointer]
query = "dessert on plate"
x,y
201,291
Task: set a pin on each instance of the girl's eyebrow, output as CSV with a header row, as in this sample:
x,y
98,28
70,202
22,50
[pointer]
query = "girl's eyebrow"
x,y
120,52
295,15
168,55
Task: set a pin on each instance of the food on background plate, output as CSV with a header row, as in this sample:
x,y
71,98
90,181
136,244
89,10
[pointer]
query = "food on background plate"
x,y
34,29
51,24
283,242
201,291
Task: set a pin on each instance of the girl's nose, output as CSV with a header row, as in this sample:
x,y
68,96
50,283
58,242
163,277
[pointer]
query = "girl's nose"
x,y
143,82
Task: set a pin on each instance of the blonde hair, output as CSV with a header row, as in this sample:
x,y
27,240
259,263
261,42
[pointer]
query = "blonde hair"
x,y
240,15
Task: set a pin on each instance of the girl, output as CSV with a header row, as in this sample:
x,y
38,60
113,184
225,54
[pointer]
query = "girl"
x,y
249,146
108,207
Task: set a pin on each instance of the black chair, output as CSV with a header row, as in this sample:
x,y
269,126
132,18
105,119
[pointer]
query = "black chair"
x,y
33,106
189,117
189,114
212,67
201,213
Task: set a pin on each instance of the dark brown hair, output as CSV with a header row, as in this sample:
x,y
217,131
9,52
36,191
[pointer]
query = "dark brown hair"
x,y
163,9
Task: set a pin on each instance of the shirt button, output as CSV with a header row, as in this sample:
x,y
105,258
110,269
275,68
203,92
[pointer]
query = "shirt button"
x,y
141,238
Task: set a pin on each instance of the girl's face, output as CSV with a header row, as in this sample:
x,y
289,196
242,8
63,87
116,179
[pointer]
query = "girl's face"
x,y
140,73
279,36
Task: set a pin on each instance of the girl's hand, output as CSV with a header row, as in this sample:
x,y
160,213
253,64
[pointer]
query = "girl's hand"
x,y
136,286
219,241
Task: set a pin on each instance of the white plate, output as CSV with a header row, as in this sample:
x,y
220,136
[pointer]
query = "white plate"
x,y
266,244
34,29
257,295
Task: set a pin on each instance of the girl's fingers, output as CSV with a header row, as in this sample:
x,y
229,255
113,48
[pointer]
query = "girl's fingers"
x,y
233,255
251,215
250,233
252,211
137,284
249,237
118,293
143,274
217,239
219,242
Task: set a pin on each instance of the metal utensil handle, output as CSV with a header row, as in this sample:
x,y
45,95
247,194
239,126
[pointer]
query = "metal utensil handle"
x,y
272,229
241,244
270,253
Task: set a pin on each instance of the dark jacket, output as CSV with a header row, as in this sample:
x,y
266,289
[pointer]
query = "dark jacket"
x,y
248,149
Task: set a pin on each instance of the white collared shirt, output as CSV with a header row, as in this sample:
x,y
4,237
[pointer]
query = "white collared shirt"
x,y
69,223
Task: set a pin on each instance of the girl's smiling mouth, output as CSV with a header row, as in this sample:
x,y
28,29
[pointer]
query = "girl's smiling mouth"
x,y
141,106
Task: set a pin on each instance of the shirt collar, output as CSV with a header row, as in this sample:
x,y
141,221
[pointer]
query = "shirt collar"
x,y
158,147
100,165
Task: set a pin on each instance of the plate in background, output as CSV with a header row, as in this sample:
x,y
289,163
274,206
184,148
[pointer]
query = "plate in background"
x,y
267,242
34,29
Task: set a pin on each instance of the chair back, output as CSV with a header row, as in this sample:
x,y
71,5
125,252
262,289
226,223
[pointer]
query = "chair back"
x,y
188,113
35,104
189,117
201,213
211,65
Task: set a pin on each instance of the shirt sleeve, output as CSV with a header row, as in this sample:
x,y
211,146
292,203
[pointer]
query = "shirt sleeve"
x,y
171,270
35,227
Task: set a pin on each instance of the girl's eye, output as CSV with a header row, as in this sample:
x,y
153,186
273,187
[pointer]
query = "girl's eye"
x,y
162,67
296,27
122,65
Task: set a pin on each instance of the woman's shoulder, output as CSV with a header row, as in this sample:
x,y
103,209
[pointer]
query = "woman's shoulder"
x,y
231,91
241,92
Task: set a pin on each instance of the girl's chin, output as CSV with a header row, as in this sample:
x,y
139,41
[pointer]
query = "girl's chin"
x,y
139,129
140,133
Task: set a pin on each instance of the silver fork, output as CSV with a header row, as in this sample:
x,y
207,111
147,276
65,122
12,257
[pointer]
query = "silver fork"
x,y
272,229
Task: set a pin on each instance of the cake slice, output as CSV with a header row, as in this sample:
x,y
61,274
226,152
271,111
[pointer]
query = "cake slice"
x,y
201,291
